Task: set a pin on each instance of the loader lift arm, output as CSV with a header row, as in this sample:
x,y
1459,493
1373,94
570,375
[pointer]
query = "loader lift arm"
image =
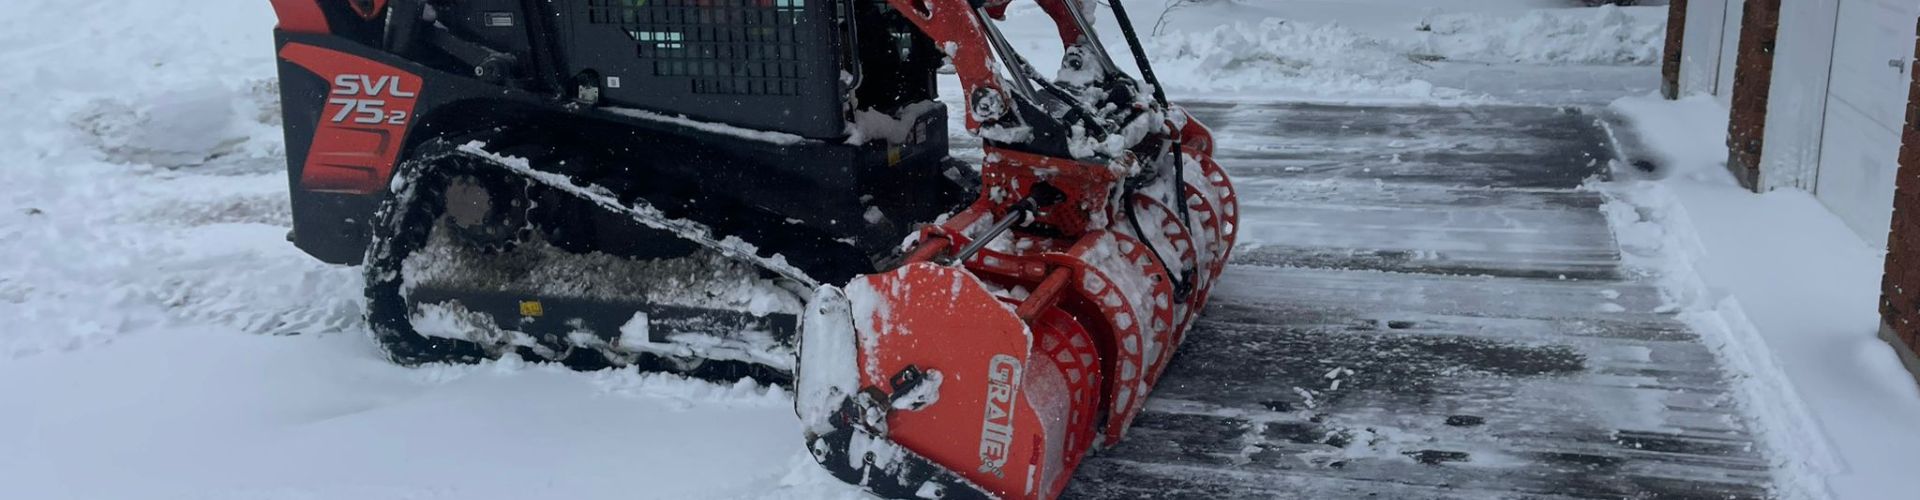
x,y
1040,316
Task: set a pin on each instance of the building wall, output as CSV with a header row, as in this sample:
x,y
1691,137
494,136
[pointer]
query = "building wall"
x,y
1799,64
1900,285
1816,93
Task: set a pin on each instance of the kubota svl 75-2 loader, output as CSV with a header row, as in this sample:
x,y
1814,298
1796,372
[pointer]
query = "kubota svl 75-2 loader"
x,y
732,188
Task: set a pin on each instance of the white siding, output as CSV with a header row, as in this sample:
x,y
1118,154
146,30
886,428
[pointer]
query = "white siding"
x,y
1797,104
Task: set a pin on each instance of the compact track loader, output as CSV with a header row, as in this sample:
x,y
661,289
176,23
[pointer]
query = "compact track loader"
x,y
763,188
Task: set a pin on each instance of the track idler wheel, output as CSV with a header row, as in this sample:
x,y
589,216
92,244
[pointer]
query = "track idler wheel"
x,y
400,228
485,213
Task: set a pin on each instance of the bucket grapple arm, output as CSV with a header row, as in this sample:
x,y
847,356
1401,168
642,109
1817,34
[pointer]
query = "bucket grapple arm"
x,y
1028,328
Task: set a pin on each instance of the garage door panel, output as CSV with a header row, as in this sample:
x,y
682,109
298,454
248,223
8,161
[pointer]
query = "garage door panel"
x,y
1857,167
1700,46
1870,63
1799,96
1866,107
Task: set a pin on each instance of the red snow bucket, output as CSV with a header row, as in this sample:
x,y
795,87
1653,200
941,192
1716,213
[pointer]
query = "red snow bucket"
x,y
1021,329
1011,400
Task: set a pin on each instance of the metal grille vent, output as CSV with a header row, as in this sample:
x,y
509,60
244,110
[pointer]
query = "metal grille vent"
x,y
731,47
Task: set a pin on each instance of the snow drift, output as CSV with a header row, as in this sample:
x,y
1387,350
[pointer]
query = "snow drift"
x,y
1288,56
1605,35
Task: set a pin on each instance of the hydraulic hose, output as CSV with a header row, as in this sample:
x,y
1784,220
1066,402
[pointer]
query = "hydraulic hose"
x,y
1183,284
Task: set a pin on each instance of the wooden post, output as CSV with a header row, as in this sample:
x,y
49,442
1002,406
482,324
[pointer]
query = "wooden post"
x,y
1900,282
1670,60
1752,80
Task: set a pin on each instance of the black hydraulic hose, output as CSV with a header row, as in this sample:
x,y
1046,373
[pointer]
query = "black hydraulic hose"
x,y
1184,283
1159,94
1182,279
1139,52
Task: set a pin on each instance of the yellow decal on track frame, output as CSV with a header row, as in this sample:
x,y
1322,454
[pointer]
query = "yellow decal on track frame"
x,y
531,308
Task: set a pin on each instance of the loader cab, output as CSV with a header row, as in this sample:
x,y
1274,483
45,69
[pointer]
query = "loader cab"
x,y
819,111
800,67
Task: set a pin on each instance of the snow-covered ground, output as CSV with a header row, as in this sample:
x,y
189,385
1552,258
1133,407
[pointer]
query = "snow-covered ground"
x,y
163,340
208,412
1792,291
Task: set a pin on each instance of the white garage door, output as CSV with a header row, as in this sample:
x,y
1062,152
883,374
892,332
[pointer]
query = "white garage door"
x,y
1700,46
1866,106
1797,104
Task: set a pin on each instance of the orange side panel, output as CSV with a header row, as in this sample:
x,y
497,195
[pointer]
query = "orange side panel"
x,y
301,16
363,125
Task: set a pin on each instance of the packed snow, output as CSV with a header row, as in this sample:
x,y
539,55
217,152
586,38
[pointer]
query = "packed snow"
x,y
703,279
164,340
828,357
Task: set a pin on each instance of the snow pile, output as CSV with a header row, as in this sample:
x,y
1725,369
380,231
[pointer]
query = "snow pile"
x,y
1379,50
1240,50
1606,35
1279,55
1786,291
199,124
1679,136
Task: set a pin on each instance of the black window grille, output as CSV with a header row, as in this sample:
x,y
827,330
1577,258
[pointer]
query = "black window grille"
x,y
728,47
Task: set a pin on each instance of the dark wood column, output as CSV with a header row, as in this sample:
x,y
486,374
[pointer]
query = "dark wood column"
x,y
1670,62
1900,285
1752,80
